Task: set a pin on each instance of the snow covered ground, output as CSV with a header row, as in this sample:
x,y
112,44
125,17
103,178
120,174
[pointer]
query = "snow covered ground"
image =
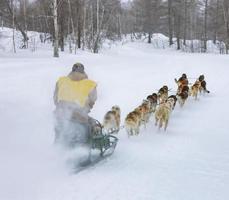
x,y
190,161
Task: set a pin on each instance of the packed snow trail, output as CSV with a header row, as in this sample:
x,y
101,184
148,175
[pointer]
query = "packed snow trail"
x,y
189,161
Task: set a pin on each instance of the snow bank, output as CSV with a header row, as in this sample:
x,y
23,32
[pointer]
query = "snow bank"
x,y
159,41
6,40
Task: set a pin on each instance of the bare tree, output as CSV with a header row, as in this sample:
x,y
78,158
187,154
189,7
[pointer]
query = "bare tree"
x,y
56,38
205,24
185,21
85,24
170,22
226,22
13,23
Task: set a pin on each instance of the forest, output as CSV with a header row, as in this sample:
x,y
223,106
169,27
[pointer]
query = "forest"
x,y
86,24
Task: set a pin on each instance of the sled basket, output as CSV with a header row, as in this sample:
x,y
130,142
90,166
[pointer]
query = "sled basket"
x,y
105,143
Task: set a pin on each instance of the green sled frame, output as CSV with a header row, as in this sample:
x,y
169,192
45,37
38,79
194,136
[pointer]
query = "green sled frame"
x,y
105,143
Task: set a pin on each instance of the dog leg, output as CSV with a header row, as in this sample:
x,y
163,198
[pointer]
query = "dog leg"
x,y
166,124
156,121
144,124
127,131
201,90
182,103
160,123
154,107
128,134
137,131
179,101
196,96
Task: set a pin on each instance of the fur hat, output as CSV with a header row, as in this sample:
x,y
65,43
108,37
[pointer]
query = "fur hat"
x,y
78,67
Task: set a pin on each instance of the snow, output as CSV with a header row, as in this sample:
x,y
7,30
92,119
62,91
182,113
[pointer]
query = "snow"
x,y
159,41
189,161
6,41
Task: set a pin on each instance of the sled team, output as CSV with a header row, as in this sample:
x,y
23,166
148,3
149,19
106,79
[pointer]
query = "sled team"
x,y
162,105
75,96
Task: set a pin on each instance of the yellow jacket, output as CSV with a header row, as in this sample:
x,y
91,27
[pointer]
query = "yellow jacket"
x,y
74,91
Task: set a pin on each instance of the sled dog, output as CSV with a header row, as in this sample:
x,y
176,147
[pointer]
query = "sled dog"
x,y
195,89
203,87
162,115
175,100
182,96
183,80
111,121
163,94
153,102
145,111
117,111
132,123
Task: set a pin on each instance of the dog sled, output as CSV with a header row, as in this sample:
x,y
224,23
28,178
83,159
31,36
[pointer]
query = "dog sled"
x,y
105,142
102,145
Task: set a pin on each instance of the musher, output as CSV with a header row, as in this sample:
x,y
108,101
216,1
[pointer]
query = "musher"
x,y
74,97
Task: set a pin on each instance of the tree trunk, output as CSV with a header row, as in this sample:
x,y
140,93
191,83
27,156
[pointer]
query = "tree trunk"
x,y
56,37
170,22
25,21
205,24
225,7
96,39
62,42
177,16
216,22
185,21
61,32
119,26
79,18
178,32
13,23
192,24
79,37
84,25
227,25
16,24
149,38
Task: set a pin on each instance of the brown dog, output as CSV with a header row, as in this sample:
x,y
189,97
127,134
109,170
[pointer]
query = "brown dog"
x,y
163,94
145,110
117,111
182,96
162,115
183,80
195,89
153,102
132,123
203,84
174,100
111,121
170,103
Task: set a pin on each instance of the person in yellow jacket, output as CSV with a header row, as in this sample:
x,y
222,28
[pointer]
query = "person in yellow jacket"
x,y
74,97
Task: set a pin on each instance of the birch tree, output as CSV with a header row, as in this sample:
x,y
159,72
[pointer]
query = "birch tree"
x,y
56,35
